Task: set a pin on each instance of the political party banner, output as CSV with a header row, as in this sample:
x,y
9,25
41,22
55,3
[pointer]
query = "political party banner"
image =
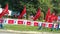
x,y
55,25
1,20
5,21
43,24
35,23
25,22
15,21
10,21
46,24
32,23
20,21
39,23
50,25
59,25
28,23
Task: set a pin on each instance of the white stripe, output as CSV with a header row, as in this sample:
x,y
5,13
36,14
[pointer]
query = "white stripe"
x,y
32,23
46,25
15,21
39,23
25,22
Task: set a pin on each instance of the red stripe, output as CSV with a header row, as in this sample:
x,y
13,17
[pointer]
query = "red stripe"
x,y
28,23
35,23
20,22
43,24
10,21
50,25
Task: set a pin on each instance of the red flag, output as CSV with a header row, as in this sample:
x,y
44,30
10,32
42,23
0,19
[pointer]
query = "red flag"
x,y
53,18
48,15
37,15
56,18
23,12
5,11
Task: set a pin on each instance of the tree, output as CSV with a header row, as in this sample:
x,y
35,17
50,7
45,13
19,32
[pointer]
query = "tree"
x,y
33,5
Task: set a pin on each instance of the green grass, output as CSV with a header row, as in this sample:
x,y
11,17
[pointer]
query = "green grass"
x,y
28,28
21,27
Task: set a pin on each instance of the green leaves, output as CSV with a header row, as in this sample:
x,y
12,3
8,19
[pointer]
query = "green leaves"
x,y
32,5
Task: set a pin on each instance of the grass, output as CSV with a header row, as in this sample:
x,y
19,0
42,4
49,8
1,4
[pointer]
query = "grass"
x,y
21,27
28,28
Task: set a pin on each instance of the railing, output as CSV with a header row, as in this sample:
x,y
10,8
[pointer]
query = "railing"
x,y
30,23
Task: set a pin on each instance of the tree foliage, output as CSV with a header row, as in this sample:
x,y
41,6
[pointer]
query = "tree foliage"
x,y
33,5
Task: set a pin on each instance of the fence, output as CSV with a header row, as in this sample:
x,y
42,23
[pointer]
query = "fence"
x,y
29,23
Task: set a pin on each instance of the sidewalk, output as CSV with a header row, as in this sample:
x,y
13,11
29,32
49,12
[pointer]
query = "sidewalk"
x,y
24,32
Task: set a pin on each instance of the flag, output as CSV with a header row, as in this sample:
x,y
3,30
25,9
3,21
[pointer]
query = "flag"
x,y
56,18
48,15
53,17
5,11
23,12
37,14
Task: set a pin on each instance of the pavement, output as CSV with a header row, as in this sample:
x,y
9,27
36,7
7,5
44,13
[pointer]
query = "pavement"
x,y
2,31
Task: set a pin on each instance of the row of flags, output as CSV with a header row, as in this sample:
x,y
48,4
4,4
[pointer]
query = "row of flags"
x,y
49,17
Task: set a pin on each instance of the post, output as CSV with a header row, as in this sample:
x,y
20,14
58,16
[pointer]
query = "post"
x,y
52,27
1,23
40,27
57,26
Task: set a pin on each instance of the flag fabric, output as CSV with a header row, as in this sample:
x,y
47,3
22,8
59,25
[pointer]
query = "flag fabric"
x,y
48,15
56,18
23,12
37,14
5,11
53,18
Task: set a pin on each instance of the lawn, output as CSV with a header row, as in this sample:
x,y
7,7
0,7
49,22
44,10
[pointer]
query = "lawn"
x,y
28,28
